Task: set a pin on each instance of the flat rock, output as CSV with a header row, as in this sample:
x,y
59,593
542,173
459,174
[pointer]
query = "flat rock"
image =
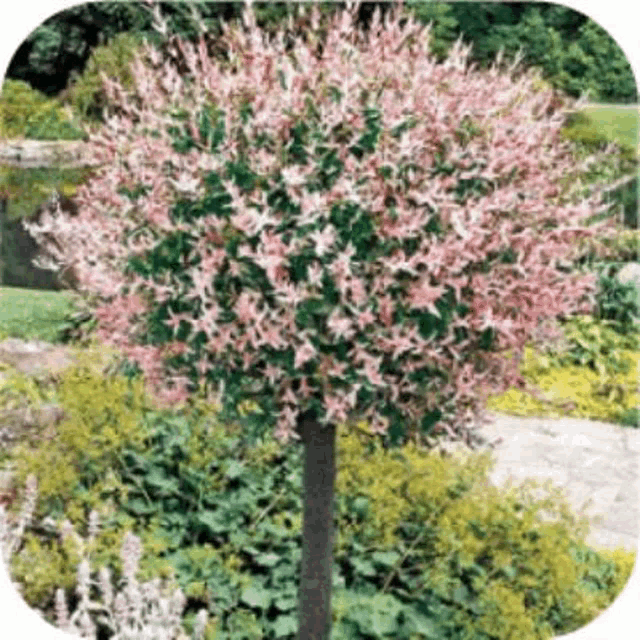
x,y
34,357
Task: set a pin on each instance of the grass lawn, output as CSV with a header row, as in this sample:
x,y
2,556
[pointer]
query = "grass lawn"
x,y
618,123
31,314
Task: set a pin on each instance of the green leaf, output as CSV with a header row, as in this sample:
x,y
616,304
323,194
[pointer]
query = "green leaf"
x,y
212,521
461,595
417,623
267,559
509,572
363,567
361,506
286,603
376,615
285,626
256,596
386,558
429,420
157,480
140,507
234,470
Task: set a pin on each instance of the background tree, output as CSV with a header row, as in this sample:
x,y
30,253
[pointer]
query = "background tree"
x,y
574,53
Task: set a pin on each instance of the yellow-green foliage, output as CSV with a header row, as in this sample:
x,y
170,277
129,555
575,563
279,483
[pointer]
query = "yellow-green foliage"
x,y
103,416
26,112
594,396
41,567
400,483
522,540
622,246
113,59
27,189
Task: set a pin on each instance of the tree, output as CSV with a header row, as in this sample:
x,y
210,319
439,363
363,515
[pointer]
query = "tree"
x,y
574,53
328,229
63,43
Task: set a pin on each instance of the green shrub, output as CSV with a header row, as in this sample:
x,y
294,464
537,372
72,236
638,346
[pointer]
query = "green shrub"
x,y
622,247
25,112
574,390
581,129
617,303
596,344
102,418
424,546
85,92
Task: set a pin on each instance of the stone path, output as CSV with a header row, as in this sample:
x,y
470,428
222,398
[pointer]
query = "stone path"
x,y
590,460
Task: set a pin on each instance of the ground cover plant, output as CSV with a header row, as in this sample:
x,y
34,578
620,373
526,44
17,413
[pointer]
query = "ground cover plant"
x,y
424,548
205,243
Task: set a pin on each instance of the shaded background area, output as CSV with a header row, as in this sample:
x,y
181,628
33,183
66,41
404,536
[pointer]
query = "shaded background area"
x,y
573,51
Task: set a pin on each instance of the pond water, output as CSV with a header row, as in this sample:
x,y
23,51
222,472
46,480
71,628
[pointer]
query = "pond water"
x,y
22,191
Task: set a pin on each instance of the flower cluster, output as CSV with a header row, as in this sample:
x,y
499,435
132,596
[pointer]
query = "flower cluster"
x,y
341,225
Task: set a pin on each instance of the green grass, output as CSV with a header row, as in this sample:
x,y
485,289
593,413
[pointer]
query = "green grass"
x,y
31,314
617,123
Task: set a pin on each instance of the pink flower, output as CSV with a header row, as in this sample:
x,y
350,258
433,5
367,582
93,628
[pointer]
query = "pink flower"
x,y
272,373
385,310
305,389
372,370
336,408
365,318
245,307
304,353
314,274
322,240
175,319
423,296
340,325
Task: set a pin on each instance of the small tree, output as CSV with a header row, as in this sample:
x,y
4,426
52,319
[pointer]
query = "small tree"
x,y
330,228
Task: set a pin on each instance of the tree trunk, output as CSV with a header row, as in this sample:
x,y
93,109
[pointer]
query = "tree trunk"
x,y
314,603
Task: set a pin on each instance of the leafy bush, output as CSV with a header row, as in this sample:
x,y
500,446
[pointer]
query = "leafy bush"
x,y
424,547
85,92
25,112
597,346
592,129
572,389
622,247
102,418
342,195
617,303
136,608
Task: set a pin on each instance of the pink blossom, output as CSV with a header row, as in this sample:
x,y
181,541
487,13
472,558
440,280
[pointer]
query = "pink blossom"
x,y
322,240
340,325
407,81
245,307
272,373
423,296
304,353
365,318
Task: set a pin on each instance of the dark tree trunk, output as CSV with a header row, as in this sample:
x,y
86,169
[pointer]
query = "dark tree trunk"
x,y
314,603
